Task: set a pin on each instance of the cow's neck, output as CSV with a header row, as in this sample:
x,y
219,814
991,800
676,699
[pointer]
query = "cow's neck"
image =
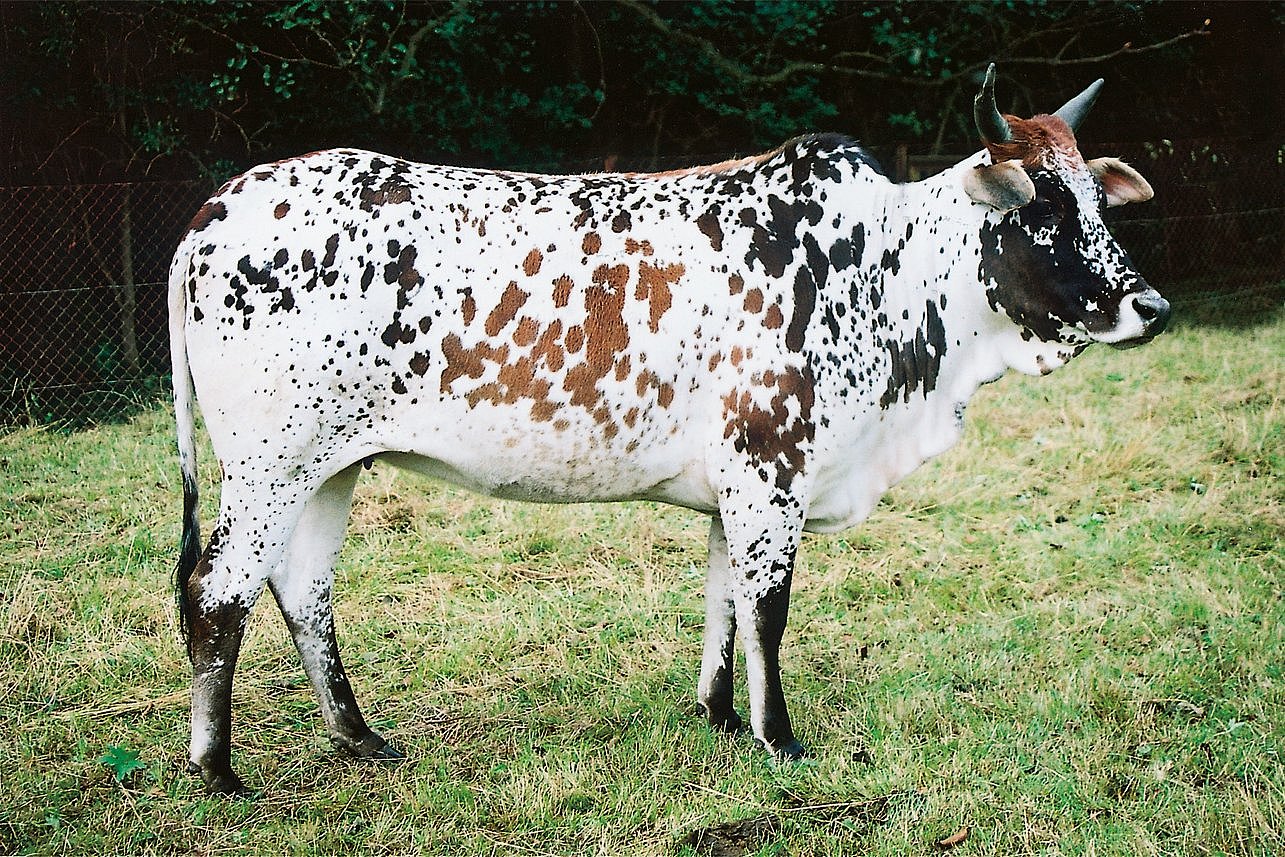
x,y
933,307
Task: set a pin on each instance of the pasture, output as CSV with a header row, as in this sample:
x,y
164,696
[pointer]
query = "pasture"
x,y
1066,635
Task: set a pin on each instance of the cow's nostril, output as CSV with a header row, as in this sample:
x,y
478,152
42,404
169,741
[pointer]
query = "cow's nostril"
x,y
1153,309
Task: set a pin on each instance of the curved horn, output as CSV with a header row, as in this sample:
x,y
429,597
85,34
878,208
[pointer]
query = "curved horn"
x,y
1074,111
990,124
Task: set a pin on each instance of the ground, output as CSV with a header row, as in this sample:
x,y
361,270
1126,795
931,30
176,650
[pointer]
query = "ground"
x,y
1066,635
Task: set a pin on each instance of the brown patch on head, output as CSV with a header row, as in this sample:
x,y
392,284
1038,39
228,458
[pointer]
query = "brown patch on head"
x,y
773,318
653,286
1037,141
281,210
591,244
531,264
504,311
561,290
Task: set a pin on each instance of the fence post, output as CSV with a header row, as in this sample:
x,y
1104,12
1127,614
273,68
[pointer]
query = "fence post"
x,y
126,295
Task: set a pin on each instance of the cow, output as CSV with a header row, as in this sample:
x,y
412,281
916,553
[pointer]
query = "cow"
x,y
773,341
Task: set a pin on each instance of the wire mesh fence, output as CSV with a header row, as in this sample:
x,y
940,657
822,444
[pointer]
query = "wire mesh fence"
x,y
82,296
83,268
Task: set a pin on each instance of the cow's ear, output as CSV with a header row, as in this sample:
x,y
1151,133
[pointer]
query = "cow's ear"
x,y
1120,181
1003,186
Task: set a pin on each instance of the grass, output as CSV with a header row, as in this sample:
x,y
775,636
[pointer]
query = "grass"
x,y
1066,635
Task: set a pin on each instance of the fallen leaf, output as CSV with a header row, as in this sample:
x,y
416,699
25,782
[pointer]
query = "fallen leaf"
x,y
954,839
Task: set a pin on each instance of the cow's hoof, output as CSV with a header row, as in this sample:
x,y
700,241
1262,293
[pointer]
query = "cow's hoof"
x,y
728,722
372,748
223,782
791,752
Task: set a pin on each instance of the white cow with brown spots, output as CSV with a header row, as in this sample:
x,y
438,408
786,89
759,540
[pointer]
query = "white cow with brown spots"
x,y
773,341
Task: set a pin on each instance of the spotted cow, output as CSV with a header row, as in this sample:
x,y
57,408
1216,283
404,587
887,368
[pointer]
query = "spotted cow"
x,y
773,341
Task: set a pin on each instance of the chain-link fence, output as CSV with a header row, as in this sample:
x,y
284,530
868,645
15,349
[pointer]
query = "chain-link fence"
x,y
83,297
83,268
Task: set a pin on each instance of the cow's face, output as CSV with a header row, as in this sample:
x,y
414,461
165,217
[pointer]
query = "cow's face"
x,y
1054,269
1047,260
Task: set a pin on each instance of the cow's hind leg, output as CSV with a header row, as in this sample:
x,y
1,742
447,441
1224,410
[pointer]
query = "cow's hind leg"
x,y
247,542
302,585
715,688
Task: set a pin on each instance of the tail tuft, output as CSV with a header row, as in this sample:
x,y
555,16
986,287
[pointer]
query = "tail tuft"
x,y
189,555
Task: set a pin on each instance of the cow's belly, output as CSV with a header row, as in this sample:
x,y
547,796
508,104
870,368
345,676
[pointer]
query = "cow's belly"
x,y
551,468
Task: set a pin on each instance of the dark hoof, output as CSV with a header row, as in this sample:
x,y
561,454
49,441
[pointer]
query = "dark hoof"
x,y
728,722
791,752
221,782
372,748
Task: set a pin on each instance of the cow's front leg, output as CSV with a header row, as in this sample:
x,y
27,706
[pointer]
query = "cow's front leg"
x,y
715,688
762,541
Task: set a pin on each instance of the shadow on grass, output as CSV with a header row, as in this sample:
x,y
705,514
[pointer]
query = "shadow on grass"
x,y
1239,309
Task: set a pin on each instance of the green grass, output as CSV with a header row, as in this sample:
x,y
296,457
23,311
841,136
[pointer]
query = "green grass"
x,y
1067,634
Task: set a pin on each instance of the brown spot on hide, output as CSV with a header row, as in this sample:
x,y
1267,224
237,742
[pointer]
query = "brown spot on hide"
x,y
735,284
391,192
714,360
772,435
526,331
708,224
623,366
510,302
207,214
575,338
653,286
644,247
468,307
591,244
737,355
604,331
753,301
561,291
774,318
547,347
531,264
461,361
281,210
631,416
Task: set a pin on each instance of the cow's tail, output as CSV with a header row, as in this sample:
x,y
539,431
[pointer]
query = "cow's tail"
x,y
185,422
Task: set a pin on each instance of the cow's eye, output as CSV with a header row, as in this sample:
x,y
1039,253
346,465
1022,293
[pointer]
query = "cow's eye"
x,y
1043,213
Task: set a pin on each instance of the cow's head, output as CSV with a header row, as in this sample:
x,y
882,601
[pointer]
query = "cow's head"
x,y
1048,261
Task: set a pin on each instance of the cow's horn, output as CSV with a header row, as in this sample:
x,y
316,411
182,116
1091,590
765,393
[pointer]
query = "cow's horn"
x,y
990,124
1074,111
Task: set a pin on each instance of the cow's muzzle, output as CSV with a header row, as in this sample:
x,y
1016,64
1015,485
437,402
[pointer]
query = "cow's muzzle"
x,y
1153,311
